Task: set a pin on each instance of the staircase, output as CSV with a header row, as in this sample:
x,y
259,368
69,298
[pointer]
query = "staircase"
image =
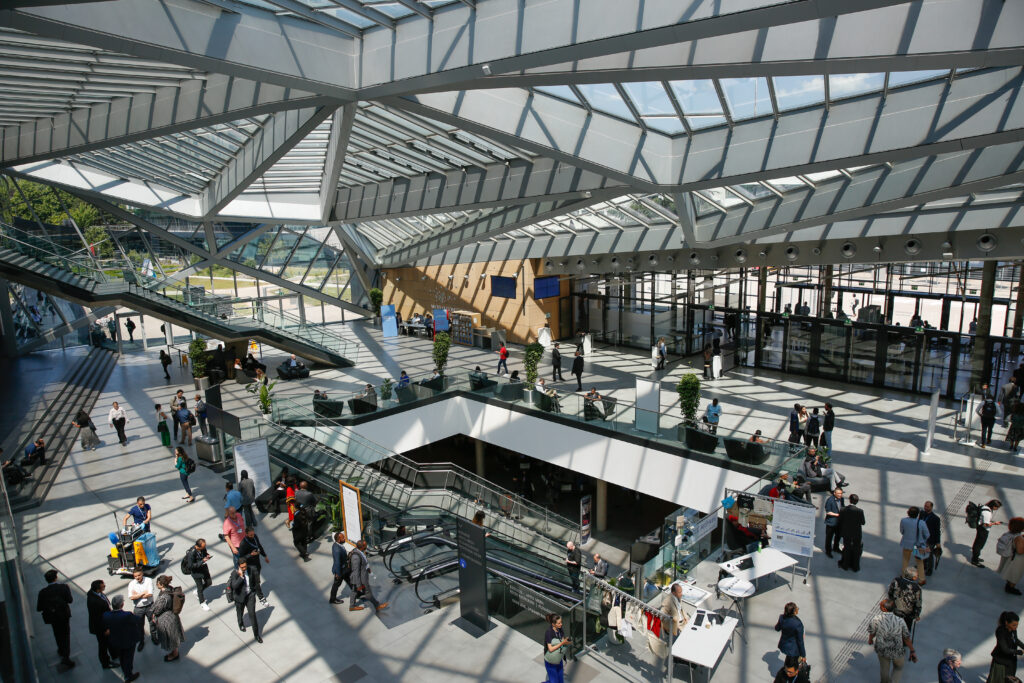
x,y
44,265
80,389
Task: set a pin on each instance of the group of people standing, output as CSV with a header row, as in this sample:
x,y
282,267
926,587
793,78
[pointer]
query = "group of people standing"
x,y
813,427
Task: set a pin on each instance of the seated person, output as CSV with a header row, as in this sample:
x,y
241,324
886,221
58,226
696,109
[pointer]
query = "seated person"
x,y
251,364
744,537
294,362
13,472
819,474
35,454
478,373
238,366
555,407
776,489
261,376
319,395
369,394
433,375
801,490
403,380
417,319
593,400
514,377
757,438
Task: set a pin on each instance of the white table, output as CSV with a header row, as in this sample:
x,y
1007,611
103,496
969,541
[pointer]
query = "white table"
x,y
737,589
702,646
766,561
692,595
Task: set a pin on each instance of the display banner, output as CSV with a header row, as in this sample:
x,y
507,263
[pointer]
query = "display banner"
x,y
585,504
351,513
473,574
793,528
254,458
388,321
440,319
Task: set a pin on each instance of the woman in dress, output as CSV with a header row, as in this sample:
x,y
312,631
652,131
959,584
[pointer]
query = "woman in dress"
x,y
86,430
1012,568
181,464
161,426
791,640
289,500
169,632
1008,648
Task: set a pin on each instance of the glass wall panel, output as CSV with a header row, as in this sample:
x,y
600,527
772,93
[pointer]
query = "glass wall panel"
x,y
863,347
832,353
299,263
280,251
798,346
772,331
900,357
936,355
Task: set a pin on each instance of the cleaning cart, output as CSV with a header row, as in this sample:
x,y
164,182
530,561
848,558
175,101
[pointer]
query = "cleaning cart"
x,y
132,546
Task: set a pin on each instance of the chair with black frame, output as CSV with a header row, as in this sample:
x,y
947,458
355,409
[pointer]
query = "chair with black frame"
x,y
478,381
699,440
287,371
510,392
328,408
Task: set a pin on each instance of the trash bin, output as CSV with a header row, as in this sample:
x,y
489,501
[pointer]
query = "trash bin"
x,y
208,449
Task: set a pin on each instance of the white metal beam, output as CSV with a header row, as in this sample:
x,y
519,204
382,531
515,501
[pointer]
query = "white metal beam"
x,y
337,145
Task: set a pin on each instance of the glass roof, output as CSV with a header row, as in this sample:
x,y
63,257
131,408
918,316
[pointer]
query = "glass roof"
x,y
349,16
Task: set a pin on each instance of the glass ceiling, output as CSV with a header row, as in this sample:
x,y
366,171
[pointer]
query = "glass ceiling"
x,y
349,16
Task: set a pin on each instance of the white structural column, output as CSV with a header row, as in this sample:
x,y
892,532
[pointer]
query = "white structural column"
x,y
341,130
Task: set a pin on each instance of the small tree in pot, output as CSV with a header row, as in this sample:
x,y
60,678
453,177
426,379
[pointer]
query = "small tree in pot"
x,y
376,299
442,343
688,389
386,389
531,357
197,359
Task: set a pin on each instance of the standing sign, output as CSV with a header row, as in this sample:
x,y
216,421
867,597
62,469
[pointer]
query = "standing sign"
x,y
473,574
253,457
793,528
388,321
440,319
584,520
648,404
351,513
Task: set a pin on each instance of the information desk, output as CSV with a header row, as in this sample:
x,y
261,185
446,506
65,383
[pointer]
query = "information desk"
x,y
703,643
753,566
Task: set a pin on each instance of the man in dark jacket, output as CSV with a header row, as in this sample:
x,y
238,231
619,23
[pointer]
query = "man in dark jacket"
x,y
250,549
340,567
122,630
247,487
243,593
851,521
827,425
577,369
300,532
98,605
934,524
833,506
54,602
556,364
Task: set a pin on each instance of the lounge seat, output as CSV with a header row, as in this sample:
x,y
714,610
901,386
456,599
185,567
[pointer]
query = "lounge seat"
x,y
479,382
360,406
510,392
285,371
698,440
329,408
605,412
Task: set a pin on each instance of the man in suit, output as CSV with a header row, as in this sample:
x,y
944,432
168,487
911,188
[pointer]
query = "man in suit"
x,y
339,568
122,632
577,369
98,605
251,550
556,364
359,576
833,506
54,602
244,594
851,519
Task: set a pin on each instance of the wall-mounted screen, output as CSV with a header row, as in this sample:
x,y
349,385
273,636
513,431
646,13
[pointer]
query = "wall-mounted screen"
x,y
504,287
546,287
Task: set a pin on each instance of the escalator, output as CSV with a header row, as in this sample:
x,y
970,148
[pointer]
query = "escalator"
x,y
76,276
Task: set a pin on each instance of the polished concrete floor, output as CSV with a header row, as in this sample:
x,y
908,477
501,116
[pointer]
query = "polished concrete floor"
x,y
878,443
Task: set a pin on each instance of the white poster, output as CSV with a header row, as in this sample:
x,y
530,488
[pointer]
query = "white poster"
x,y
352,514
584,520
252,456
793,528
648,404
704,527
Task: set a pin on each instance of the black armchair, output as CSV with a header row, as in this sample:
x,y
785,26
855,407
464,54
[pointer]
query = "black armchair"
x,y
286,371
699,440
328,408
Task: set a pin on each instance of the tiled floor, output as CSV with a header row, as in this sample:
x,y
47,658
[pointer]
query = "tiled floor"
x,y
878,440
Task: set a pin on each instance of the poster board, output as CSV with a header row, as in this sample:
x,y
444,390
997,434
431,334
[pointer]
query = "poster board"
x,y
440,319
793,528
648,404
351,513
473,574
254,458
585,508
388,321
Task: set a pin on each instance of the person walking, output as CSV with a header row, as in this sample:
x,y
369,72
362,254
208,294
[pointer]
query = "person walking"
x,y
199,410
794,424
949,666
165,362
130,326
233,532
554,649
905,593
850,529
833,506
243,591
121,629
502,359
1010,548
791,638
97,604
713,415
140,592
573,563
987,412
86,430
981,532
1007,399
891,638
54,601
359,572
1008,648
339,569
827,425
577,369
934,542
662,353
166,608
185,466
247,488
251,550
118,419
232,498
914,540
556,364
161,426
793,671
194,564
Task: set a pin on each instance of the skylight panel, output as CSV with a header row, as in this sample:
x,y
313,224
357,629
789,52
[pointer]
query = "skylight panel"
x,y
898,78
604,97
655,107
746,97
793,92
562,91
850,85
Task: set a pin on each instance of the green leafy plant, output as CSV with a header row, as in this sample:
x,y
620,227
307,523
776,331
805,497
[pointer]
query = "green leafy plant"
x,y
385,388
531,357
331,506
689,396
376,299
197,356
442,343
263,395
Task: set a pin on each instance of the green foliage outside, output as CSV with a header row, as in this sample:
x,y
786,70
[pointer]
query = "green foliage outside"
x,y
531,357
98,237
197,356
442,342
689,396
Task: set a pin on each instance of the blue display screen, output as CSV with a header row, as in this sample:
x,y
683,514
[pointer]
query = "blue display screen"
x,y
545,287
504,287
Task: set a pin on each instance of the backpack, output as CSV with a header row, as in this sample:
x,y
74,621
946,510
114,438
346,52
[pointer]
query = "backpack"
x,y
988,409
1004,546
973,515
177,600
190,465
186,563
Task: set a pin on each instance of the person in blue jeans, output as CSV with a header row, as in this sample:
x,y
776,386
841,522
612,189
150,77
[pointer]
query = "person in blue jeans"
x,y
554,642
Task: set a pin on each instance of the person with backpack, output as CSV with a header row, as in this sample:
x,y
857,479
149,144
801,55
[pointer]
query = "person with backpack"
x,y
979,517
166,609
130,326
1010,548
555,643
194,565
813,428
987,411
502,358
185,466
165,362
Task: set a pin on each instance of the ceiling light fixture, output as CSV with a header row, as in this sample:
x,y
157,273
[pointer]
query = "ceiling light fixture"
x,y
947,250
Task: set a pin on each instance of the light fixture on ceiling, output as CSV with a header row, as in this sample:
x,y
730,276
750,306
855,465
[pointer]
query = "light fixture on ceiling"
x,y
467,276
877,248
615,261
792,252
848,250
740,255
486,68
912,247
587,194
652,260
763,253
548,264
947,249
670,258
451,277
986,242
398,279
694,258
484,275
580,264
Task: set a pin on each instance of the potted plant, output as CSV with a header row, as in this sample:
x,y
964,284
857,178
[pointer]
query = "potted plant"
x,y
197,359
442,343
531,357
376,299
330,506
688,389
386,389
263,395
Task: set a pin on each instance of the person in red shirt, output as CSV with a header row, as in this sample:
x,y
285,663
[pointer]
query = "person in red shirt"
x,y
289,500
502,359
234,531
